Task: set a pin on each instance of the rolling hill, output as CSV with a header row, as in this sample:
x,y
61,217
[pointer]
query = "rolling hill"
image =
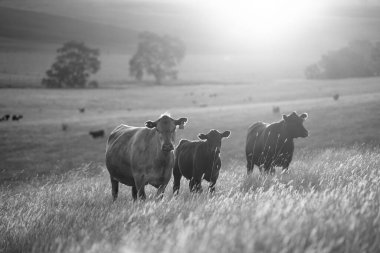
x,y
21,29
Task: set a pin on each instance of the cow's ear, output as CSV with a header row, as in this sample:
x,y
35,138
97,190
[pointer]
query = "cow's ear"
x,y
304,115
202,136
284,117
150,124
181,123
225,134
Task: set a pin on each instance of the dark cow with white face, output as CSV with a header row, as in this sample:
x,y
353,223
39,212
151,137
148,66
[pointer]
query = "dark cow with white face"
x,y
271,145
197,159
137,156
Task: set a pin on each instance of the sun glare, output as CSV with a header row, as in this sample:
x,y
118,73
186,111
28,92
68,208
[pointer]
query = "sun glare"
x,y
260,20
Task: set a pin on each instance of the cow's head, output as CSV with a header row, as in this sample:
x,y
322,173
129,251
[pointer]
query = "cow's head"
x,y
166,127
214,139
294,124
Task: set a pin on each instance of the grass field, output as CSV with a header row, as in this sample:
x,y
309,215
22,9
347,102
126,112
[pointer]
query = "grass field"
x,y
329,201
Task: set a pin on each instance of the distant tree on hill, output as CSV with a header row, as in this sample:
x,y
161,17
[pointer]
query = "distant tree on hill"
x,y
158,56
358,59
73,66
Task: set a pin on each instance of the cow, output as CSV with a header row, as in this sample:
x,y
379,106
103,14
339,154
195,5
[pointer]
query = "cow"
x,y
137,156
17,117
82,109
97,134
5,117
271,145
276,109
64,127
197,159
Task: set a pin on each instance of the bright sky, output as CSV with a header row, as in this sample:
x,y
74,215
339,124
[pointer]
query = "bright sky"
x,y
264,20
259,21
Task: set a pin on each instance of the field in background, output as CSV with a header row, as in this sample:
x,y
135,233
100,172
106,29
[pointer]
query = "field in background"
x,y
38,145
26,69
55,192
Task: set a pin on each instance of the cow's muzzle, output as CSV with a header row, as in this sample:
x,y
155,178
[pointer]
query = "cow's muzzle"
x,y
167,147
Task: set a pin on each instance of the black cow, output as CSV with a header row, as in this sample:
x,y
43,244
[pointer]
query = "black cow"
x,y
5,117
197,159
272,145
97,134
81,110
17,117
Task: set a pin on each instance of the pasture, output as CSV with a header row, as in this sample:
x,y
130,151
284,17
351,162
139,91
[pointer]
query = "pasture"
x,y
56,194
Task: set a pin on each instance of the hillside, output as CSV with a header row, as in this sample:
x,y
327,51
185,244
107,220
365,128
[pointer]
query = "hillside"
x,y
24,28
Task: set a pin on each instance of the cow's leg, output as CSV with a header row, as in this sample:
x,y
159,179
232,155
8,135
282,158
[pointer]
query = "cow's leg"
x,y
261,168
211,188
269,168
160,191
285,170
134,193
195,185
177,180
214,177
286,164
140,186
250,164
115,188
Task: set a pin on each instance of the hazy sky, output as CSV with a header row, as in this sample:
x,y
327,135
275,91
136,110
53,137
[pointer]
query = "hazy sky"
x,y
275,35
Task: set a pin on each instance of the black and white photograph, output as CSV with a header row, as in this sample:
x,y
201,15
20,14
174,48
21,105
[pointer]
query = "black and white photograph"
x,y
182,126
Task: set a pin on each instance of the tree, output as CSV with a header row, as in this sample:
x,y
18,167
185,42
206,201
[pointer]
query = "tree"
x,y
313,71
158,56
73,66
359,59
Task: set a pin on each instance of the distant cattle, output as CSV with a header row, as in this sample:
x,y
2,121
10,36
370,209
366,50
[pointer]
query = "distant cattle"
x,y
64,127
17,117
5,117
82,110
271,145
137,156
198,159
336,97
97,134
276,109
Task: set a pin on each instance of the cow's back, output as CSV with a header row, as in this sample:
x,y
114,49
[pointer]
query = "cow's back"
x,y
254,133
184,153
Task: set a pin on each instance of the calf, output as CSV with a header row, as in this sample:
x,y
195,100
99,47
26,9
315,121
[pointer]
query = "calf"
x,y
272,145
197,159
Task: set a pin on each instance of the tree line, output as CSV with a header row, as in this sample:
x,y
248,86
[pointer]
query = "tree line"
x,y
158,56
359,58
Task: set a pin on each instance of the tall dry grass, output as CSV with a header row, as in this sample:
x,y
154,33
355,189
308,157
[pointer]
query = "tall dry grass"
x,y
329,202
